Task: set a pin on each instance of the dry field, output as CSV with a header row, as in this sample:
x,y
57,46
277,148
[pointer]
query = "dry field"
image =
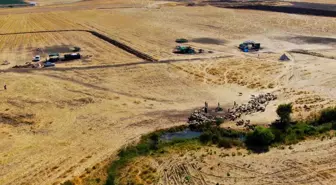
x,y
311,162
57,123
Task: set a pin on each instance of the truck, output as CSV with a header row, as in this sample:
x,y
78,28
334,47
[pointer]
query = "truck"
x,y
249,46
72,56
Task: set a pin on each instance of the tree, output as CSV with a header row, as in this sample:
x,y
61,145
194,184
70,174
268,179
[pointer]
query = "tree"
x,y
284,111
261,136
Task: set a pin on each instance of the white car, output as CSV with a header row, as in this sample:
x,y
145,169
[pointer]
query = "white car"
x,y
37,58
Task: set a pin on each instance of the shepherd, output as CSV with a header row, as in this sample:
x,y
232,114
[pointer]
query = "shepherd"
x,y
206,107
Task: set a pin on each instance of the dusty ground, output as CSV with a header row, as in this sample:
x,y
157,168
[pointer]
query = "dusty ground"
x,y
56,123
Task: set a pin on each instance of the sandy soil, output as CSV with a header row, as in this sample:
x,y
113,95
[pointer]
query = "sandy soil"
x,y
56,123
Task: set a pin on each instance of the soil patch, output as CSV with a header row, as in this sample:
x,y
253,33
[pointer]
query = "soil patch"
x,y
309,40
57,49
206,40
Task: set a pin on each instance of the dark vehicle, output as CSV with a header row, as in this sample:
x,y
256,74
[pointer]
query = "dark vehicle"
x,y
184,50
49,64
72,56
75,49
249,45
54,59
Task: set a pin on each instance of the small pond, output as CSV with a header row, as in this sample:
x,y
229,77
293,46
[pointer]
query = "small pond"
x,y
185,134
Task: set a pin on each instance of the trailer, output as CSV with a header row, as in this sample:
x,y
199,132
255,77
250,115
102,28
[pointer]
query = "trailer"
x,y
72,56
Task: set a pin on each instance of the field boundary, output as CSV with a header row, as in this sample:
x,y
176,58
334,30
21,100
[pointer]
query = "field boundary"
x,y
100,36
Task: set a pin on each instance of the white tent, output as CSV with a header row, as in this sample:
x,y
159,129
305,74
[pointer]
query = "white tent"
x,y
284,57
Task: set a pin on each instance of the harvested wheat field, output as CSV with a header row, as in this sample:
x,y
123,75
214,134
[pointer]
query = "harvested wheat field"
x,y
58,123
306,163
20,48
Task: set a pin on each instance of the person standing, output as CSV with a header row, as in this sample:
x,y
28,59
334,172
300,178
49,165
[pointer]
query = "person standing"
x,y
206,107
5,87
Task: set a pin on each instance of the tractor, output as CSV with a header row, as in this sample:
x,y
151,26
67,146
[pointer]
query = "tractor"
x,y
184,50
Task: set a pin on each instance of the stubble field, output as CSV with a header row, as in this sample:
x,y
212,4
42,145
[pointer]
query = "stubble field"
x,y
56,124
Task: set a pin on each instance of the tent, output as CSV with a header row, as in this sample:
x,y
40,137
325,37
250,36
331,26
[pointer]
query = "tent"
x,y
284,57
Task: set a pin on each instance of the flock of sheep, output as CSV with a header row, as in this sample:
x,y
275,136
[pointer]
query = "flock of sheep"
x,y
255,104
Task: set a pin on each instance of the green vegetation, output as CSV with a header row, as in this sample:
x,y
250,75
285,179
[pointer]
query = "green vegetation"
x,y
222,137
261,136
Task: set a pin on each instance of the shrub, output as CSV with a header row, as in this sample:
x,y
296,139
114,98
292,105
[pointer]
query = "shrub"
x,y
206,137
225,143
327,115
236,142
324,127
215,139
284,111
68,183
260,137
154,137
310,130
291,138
219,121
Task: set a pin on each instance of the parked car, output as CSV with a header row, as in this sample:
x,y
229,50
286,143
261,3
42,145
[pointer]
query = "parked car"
x,y
37,58
49,64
